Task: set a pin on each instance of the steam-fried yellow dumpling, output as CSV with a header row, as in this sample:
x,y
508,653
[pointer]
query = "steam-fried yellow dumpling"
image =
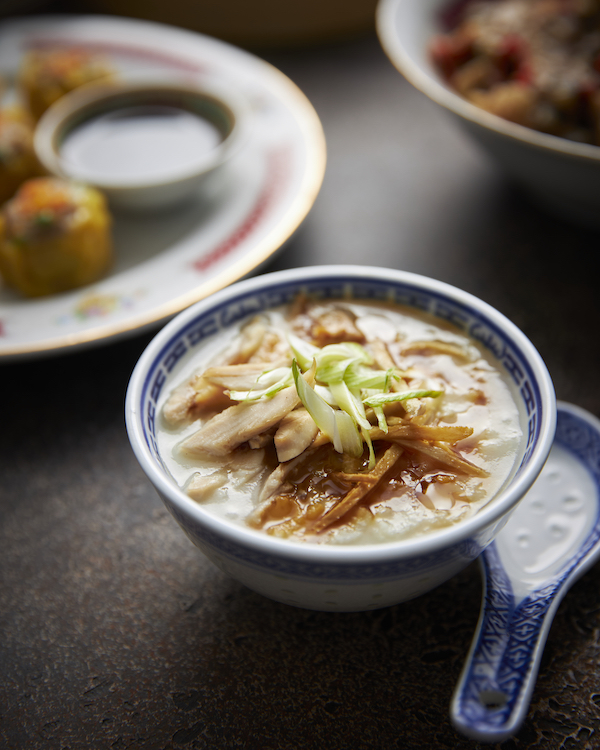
x,y
17,158
54,235
46,75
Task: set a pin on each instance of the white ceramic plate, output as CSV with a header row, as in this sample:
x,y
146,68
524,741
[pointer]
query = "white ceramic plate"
x,y
167,261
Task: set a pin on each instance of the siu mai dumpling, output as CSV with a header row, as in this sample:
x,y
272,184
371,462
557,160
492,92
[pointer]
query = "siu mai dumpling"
x,y
17,157
54,235
47,74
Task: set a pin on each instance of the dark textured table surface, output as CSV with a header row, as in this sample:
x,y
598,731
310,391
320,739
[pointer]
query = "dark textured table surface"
x,y
115,632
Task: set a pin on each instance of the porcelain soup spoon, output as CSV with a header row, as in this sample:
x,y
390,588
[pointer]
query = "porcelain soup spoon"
x,y
552,538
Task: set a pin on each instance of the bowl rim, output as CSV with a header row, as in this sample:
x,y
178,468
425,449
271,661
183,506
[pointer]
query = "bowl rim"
x,y
86,101
327,553
441,94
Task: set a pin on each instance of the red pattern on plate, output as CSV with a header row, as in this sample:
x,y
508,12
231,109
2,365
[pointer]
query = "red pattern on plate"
x,y
116,48
277,171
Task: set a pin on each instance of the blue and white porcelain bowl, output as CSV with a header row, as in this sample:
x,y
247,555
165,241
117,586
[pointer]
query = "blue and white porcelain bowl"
x,y
336,577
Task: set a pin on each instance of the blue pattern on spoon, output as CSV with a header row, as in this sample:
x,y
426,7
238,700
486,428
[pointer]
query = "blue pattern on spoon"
x,y
552,538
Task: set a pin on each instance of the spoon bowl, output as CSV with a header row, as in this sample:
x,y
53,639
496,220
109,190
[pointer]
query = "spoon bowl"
x,y
551,540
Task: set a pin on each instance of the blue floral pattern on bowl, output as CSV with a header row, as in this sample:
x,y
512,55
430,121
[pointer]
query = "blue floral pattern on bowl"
x,y
252,558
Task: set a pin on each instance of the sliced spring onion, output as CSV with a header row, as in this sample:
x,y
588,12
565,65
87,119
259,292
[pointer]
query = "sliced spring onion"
x,y
350,403
387,398
332,360
345,383
369,442
325,394
332,370
323,415
381,420
377,410
339,426
303,351
346,350
359,376
272,381
350,438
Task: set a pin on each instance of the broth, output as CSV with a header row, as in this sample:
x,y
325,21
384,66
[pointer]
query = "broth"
x,y
441,439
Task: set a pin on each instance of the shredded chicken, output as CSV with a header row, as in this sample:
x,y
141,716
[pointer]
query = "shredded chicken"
x,y
295,433
250,341
246,467
335,325
177,409
239,423
436,347
262,440
271,489
202,486
240,377
207,397
205,391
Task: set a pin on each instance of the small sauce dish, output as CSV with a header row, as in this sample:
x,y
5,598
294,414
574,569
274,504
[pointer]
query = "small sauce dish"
x,y
145,144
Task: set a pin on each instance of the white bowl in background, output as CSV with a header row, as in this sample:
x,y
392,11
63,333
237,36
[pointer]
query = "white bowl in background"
x,y
336,577
146,144
560,174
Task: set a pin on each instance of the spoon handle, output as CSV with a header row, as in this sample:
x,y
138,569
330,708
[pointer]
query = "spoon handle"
x,y
493,693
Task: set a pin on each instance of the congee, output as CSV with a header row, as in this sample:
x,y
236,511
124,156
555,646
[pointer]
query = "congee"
x,y
341,422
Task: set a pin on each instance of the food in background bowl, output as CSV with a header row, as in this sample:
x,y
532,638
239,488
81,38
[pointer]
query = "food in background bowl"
x,y
560,173
336,577
343,421
54,235
18,161
533,62
45,75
